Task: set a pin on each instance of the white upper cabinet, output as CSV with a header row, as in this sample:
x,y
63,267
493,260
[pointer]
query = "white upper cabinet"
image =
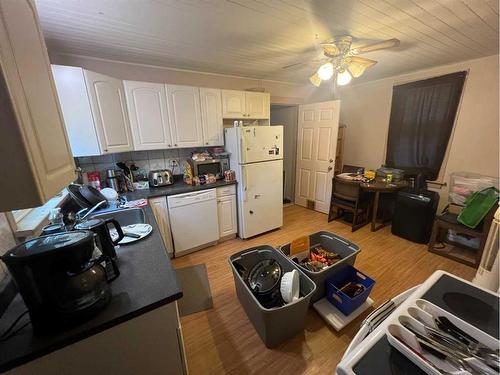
x,y
148,113
245,104
34,149
107,100
211,117
233,104
257,105
94,111
185,115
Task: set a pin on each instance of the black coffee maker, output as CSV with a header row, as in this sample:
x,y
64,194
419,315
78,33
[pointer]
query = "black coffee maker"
x,y
59,281
103,239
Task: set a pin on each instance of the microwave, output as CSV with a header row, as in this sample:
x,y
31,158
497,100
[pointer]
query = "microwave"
x,y
216,167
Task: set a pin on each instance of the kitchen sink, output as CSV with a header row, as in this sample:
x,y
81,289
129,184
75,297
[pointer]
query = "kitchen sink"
x,y
124,216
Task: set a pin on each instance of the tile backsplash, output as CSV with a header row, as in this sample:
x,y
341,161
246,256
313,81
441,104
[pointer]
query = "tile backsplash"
x,y
145,160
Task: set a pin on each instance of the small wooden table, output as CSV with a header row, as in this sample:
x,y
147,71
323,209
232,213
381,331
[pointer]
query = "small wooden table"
x,y
378,187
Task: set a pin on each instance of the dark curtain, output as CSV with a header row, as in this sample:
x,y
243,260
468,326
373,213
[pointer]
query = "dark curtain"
x,y
422,118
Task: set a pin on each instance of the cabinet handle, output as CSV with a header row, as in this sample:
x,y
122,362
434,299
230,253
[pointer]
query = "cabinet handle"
x,y
169,145
105,150
175,145
206,143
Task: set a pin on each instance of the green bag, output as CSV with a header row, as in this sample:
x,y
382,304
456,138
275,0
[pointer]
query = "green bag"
x,y
477,205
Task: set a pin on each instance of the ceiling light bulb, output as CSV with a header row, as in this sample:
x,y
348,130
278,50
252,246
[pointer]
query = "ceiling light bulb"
x,y
343,77
325,71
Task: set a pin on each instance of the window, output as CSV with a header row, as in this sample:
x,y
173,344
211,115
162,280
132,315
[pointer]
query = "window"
x,y
421,122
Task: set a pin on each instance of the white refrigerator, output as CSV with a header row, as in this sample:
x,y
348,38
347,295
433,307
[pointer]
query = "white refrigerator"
x,y
257,158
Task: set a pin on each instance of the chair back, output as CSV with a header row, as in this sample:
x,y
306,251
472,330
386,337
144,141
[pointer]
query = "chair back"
x,y
345,189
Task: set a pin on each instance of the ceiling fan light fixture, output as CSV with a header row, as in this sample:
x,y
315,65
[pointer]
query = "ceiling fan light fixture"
x,y
343,77
325,71
315,79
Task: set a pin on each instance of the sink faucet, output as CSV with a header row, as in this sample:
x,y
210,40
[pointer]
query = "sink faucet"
x,y
86,212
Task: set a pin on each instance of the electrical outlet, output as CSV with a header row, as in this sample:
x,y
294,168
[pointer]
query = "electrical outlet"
x,y
174,162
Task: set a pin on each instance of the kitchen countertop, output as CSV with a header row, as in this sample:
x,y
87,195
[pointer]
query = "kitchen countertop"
x,y
178,187
147,281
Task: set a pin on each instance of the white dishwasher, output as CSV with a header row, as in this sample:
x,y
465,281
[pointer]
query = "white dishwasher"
x,y
193,220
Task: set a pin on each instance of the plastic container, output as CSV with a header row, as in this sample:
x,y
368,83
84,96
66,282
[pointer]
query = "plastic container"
x,y
341,300
347,251
274,325
463,184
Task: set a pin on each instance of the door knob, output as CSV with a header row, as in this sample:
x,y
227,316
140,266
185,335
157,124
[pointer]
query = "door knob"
x,y
329,169
331,160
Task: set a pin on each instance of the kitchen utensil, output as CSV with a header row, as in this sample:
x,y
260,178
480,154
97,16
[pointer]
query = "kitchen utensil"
x,y
92,195
142,230
59,281
74,192
454,355
103,239
264,277
290,286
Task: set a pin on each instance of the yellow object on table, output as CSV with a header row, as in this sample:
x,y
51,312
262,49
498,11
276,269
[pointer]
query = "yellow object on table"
x,y
370,174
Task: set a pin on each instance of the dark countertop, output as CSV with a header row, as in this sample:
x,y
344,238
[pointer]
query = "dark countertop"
x,y
178,187
147,281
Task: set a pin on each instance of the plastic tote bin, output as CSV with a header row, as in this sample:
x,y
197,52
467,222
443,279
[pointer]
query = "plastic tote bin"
x,y
347,251
338,298
275,325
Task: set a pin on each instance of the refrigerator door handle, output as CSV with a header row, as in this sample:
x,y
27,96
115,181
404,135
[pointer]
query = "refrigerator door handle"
x,y
245,184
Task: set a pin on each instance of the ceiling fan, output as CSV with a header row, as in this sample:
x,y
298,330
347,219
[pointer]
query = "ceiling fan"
x,y
341,60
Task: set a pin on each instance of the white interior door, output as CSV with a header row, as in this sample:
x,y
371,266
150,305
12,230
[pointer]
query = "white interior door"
x,y
316,145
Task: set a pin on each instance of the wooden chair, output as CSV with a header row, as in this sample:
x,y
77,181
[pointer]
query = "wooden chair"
x,y
352,169
440,244
348,196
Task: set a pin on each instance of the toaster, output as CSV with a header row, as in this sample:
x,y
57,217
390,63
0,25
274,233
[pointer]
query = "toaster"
x,y
161,177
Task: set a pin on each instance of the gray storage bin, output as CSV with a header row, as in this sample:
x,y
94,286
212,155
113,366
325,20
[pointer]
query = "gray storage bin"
x,y
347,250
275,325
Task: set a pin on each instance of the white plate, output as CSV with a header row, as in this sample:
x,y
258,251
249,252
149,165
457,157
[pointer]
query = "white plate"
x,y
142,230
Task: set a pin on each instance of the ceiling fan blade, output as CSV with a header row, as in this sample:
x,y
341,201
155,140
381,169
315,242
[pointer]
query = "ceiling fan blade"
x,y
311,62
357,65
330,48
315,80
376,46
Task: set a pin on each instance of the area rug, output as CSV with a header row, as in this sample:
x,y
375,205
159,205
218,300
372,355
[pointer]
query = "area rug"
x,y
195,289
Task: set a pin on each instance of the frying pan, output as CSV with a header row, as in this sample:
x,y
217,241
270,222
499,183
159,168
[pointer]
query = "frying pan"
x,y
92,195
74,192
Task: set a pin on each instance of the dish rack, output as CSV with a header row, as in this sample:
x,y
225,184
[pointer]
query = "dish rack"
x,y
408,330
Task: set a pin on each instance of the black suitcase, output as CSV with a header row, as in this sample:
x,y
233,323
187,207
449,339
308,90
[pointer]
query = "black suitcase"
x,y
414,214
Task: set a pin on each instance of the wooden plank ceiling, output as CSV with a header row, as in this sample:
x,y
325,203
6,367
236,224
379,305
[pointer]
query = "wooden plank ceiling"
x,y
255,38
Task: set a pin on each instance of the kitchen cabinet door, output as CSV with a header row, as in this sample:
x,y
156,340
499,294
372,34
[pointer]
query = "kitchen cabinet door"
x,y
160,212
211,117
109,109
148,113
257,105
34,149
233,104
226,210
185,115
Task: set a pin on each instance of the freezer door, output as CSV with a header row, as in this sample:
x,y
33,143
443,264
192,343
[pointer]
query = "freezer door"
x,y
261,207
261,143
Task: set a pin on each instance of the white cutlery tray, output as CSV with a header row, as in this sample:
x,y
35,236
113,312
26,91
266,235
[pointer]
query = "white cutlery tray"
x,y
427,312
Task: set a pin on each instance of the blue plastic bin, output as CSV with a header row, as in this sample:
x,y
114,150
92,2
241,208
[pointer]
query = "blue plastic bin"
x,y
338,298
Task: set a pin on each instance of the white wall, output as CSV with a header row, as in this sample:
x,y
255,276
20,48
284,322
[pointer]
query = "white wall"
x,y
288,117
365,108
281,92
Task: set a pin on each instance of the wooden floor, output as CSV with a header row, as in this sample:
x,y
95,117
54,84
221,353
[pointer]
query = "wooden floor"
x,y
223,341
